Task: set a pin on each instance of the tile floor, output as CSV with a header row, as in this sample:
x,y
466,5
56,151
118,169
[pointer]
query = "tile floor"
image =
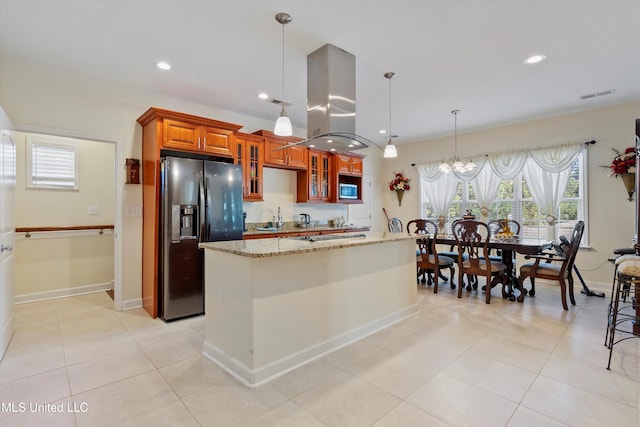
x,y
456,363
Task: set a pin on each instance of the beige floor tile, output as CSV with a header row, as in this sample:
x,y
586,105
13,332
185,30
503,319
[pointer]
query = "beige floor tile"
x,y
170,414
286,415
231,404
123,400
137,319
496,376
38,416
352,354
405,415
21,366
179,345
527,418
193,374
458,403
592,378
90,325
109,369
577,407
397,373
345,400
95,348
500,347
41,388
34,340
303,378
454,358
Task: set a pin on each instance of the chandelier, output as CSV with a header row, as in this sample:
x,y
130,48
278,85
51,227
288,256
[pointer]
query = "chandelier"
x,y
458,165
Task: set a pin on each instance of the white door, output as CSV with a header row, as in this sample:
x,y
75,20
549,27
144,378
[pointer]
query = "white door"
x,y
7,234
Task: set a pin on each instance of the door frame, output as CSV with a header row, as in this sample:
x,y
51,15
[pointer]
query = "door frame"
x,y
118,251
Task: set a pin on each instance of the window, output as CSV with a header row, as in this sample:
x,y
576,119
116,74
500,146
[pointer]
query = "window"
x,y
515,199
52,162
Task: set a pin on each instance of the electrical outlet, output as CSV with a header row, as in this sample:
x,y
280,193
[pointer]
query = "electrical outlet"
x,y
93,210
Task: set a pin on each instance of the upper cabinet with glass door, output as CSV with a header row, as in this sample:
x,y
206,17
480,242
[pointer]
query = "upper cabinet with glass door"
x,y
250,155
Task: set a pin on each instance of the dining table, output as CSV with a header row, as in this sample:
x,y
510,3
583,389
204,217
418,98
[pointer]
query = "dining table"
x,y
508,247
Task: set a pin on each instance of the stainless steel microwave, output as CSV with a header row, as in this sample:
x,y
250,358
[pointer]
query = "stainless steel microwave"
x,y
348,191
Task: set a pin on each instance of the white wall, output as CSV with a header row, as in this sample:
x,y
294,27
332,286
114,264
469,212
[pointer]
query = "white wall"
x,y
611,217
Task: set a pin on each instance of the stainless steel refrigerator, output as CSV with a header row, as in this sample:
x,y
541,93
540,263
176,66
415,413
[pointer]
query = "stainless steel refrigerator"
x,y
201,201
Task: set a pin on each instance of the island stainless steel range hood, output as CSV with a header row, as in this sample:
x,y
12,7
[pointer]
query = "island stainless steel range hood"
x,y
331,102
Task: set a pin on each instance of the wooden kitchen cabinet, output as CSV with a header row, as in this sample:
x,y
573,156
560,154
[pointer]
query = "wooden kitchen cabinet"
x,y
250,155
174,132
315,184
194,137
349,164
283,158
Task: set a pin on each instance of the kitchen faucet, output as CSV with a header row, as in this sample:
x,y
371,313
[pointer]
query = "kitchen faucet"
x,y
279,223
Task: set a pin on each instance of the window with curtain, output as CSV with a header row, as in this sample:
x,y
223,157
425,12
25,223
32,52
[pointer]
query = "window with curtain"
x,y
515,198
52,163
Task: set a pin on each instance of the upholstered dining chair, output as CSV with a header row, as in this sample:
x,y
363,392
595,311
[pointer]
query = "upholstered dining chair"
x,y
427,259
554,266
472,237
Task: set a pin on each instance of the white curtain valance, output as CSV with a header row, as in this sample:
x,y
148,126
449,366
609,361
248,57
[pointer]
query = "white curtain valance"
x,y
506,165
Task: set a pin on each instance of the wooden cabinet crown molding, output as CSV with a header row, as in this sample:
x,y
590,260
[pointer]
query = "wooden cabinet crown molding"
x,y
154,113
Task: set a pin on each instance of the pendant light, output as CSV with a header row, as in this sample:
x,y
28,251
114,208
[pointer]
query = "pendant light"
x,y
457,165
390,149
283,124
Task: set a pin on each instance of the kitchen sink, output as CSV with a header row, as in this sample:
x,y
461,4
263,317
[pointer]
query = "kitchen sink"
x,y
324,237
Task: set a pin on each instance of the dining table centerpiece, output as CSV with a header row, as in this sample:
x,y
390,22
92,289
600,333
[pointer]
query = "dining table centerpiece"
x,y
399,184
623,165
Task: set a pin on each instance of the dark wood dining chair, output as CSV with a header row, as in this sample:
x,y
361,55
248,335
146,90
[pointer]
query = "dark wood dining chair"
x,y
554,266
428,261
472,238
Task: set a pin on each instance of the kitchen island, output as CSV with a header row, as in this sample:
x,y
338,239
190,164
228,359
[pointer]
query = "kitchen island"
x,y
274,304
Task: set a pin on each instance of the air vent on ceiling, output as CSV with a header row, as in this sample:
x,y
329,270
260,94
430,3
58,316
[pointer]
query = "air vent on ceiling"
x,y
278,102
593,95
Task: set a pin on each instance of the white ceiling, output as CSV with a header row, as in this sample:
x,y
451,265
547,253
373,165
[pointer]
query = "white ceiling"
x,y
447,55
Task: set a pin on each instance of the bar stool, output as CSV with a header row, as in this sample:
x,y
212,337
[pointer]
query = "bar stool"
x,y
617,261
624,316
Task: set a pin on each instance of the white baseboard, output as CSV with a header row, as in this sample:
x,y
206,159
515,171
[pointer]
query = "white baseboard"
x,y
256,377
131,304
61,293
7,333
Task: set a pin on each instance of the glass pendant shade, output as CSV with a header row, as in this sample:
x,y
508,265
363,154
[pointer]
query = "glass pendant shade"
x,y
283,125
390,151
444,167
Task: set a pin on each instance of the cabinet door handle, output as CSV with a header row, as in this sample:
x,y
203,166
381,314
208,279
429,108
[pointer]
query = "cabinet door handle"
x,y
198,143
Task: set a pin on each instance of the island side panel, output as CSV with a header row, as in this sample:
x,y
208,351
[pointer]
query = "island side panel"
x,y
228,311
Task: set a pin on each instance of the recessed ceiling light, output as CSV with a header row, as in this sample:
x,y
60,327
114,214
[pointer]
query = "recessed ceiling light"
x,y
263,95
332,149
163,65
312,146
534,59
381,131
329,141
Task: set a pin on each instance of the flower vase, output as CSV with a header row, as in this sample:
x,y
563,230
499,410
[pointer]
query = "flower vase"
x,y
399,193
629,181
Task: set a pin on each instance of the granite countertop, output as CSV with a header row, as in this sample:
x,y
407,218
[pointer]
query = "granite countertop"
x,y
259,248
272,230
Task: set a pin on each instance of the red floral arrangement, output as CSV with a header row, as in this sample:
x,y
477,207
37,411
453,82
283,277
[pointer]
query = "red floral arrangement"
x,y
399,182
623,162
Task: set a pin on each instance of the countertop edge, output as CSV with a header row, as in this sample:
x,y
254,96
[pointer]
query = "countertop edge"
x,y
270,247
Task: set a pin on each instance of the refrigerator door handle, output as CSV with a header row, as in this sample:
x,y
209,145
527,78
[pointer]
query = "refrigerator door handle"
x,y
203,208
